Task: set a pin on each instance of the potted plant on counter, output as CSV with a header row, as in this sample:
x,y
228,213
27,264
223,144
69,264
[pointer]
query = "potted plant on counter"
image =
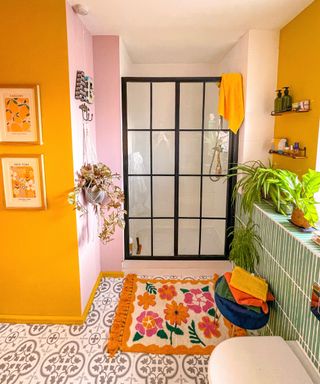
x,y
257,182
95,185
280,187
304,213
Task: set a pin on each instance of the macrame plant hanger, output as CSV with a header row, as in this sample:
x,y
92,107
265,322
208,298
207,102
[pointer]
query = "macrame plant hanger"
x,y
89,151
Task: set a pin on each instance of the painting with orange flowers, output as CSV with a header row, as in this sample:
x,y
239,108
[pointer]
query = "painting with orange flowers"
x,y
169,317
23,182
20,115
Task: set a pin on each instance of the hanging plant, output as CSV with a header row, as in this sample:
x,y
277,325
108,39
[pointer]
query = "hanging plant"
x,y
95,185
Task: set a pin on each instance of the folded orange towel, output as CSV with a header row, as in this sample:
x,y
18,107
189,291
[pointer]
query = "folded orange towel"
x,y
231,105
243,298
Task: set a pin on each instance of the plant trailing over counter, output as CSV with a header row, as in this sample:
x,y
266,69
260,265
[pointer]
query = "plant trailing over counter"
x,y
282,188
95,185
244,246
257,182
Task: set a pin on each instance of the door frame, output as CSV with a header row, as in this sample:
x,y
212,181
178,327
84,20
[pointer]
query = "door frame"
x,y
232,161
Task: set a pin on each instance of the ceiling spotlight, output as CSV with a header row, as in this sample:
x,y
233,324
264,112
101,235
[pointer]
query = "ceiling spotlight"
x,y
80,9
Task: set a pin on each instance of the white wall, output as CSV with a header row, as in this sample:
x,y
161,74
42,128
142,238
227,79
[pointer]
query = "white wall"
x,y
172,70
256,57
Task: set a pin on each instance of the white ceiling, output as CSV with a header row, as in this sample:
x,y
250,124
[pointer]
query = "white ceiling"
x,y
185,31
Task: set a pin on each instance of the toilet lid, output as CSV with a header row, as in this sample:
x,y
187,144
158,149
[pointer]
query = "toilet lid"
x,y
256,359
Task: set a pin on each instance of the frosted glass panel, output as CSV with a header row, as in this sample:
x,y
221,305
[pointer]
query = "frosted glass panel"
x,y
163,196
189,196
191,95
190,152
213,237
138,96
140,229
163,105
163,152
163,237
220,141
139,196
214,196
188,237
211,104
139,152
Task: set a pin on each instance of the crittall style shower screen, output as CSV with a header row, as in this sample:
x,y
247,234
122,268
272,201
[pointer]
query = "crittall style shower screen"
x,y
177,153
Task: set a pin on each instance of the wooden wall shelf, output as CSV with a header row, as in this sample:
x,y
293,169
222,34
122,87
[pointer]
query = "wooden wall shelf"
x,y
273,113
286,154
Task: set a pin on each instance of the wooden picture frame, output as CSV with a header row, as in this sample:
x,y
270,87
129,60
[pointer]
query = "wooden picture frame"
x,y
20,116
23,182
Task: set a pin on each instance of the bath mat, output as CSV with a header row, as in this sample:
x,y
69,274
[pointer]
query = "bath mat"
x,y
168,317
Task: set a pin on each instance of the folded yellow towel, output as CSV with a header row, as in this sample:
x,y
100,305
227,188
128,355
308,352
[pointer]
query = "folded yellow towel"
x,y
231,100
248,283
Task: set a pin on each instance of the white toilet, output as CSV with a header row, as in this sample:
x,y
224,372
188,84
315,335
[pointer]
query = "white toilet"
x,y
260,360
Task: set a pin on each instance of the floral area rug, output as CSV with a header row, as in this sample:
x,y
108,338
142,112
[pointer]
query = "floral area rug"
x,y
168,317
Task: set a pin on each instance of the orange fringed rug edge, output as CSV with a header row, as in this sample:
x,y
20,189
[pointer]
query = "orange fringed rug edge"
x,y
120,329
119,323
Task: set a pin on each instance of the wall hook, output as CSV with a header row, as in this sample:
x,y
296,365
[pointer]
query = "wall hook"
x,y
86,115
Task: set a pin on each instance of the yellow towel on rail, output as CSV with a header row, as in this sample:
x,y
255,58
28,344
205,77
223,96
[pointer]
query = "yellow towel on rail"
x,y
248,283
231,100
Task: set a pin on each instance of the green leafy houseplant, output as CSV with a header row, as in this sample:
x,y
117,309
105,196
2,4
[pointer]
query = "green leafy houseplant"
x,y
244,246
257,182
302,196
95,185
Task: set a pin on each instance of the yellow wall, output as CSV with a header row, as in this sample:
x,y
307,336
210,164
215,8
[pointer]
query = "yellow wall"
x,y
299,68
39,272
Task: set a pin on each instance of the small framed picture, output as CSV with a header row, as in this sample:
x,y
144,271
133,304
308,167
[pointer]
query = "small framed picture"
x,y
20,119
23,181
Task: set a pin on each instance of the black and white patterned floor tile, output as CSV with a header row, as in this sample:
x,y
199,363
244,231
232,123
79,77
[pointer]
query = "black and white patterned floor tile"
x,y
59,354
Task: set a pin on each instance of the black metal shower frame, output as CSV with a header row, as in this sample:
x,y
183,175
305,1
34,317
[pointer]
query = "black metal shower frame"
x,y
232,160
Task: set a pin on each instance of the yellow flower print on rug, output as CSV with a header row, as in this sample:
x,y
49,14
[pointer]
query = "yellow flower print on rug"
x,y
167,316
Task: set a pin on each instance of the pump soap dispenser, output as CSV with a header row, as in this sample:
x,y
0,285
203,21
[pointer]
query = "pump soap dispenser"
x,y
278,101
286,100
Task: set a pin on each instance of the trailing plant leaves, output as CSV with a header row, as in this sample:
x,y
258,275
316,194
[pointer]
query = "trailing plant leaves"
x,y
244,246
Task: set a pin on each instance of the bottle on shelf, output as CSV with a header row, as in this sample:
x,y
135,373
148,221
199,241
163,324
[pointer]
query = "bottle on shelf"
x,y
286,100
278,101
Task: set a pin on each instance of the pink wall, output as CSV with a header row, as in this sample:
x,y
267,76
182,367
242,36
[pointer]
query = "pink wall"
x,y
80,50
106,57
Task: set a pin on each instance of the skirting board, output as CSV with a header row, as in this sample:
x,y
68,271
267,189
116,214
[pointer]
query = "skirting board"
x,y
76,320
176,268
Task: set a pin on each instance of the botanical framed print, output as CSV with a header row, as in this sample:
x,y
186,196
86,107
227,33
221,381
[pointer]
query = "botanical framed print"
x,y
20,120
23,181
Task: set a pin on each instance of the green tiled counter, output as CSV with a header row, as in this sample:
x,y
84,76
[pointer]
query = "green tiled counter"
x,y
290,262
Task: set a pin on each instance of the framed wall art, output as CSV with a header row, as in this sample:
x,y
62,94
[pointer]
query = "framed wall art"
x,y
20,118
23,181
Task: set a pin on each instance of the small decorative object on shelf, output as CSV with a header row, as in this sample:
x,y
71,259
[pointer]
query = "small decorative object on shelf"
x,y
95,185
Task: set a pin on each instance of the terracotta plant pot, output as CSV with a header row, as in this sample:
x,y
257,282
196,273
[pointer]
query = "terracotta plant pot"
x,y
298,218
94,197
